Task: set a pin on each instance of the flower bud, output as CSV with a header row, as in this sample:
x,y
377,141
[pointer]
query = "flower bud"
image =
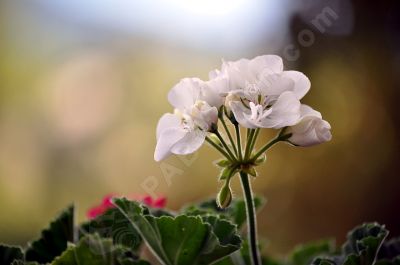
x,y
224,197
310,130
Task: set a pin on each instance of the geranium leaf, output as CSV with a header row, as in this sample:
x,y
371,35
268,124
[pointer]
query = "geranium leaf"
x,y
183,239
54,239
327,261
363,244
305,254
94,250
10,253
242,257
113,224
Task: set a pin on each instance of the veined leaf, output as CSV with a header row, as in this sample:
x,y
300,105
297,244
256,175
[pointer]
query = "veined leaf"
x,y
363,244
113,224
182,240
305,254
54,239
94,250
10,253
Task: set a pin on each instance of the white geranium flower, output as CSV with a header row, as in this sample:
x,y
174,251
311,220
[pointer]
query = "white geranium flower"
x,y
260,94
184,131
189,90
311,129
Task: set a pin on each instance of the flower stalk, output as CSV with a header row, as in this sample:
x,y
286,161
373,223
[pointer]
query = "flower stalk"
x,y
251,219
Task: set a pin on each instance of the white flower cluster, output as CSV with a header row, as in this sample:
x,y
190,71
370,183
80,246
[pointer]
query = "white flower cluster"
x,y
258,92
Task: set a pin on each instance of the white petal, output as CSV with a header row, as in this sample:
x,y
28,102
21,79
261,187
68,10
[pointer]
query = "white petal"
x,y
311,130
238,73
306,110
190,143
242,114
167,121
275,84
301,83
271,63
168,138
185,93
324,131
285,112
215,74
212,91
210,115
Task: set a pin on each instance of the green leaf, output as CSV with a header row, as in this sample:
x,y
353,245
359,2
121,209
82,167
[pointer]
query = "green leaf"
x,y
182,240
326,261
363,244
125,256
54,239
10,253
94,250
113,224
242,257
225,234
305,254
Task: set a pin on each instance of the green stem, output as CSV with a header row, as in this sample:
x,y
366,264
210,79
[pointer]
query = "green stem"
x,y
229,135
239,144
233,158
253,141
219,148
251,219
249,140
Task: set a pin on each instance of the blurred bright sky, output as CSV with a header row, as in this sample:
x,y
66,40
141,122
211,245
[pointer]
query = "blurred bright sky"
x,y
218,24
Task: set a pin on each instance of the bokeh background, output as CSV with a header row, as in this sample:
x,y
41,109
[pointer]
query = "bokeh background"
x,y
83,84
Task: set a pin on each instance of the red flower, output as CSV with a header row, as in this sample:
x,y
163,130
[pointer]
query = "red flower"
x,y
107,204
154,203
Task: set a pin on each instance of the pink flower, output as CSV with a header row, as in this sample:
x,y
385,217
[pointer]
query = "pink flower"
x,y
154,203
106,204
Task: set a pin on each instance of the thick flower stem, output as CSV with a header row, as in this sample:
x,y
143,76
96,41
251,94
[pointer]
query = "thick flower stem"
x,y
251,219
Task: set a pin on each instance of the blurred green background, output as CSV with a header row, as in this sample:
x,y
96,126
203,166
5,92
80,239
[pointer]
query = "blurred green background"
x,y
83,84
